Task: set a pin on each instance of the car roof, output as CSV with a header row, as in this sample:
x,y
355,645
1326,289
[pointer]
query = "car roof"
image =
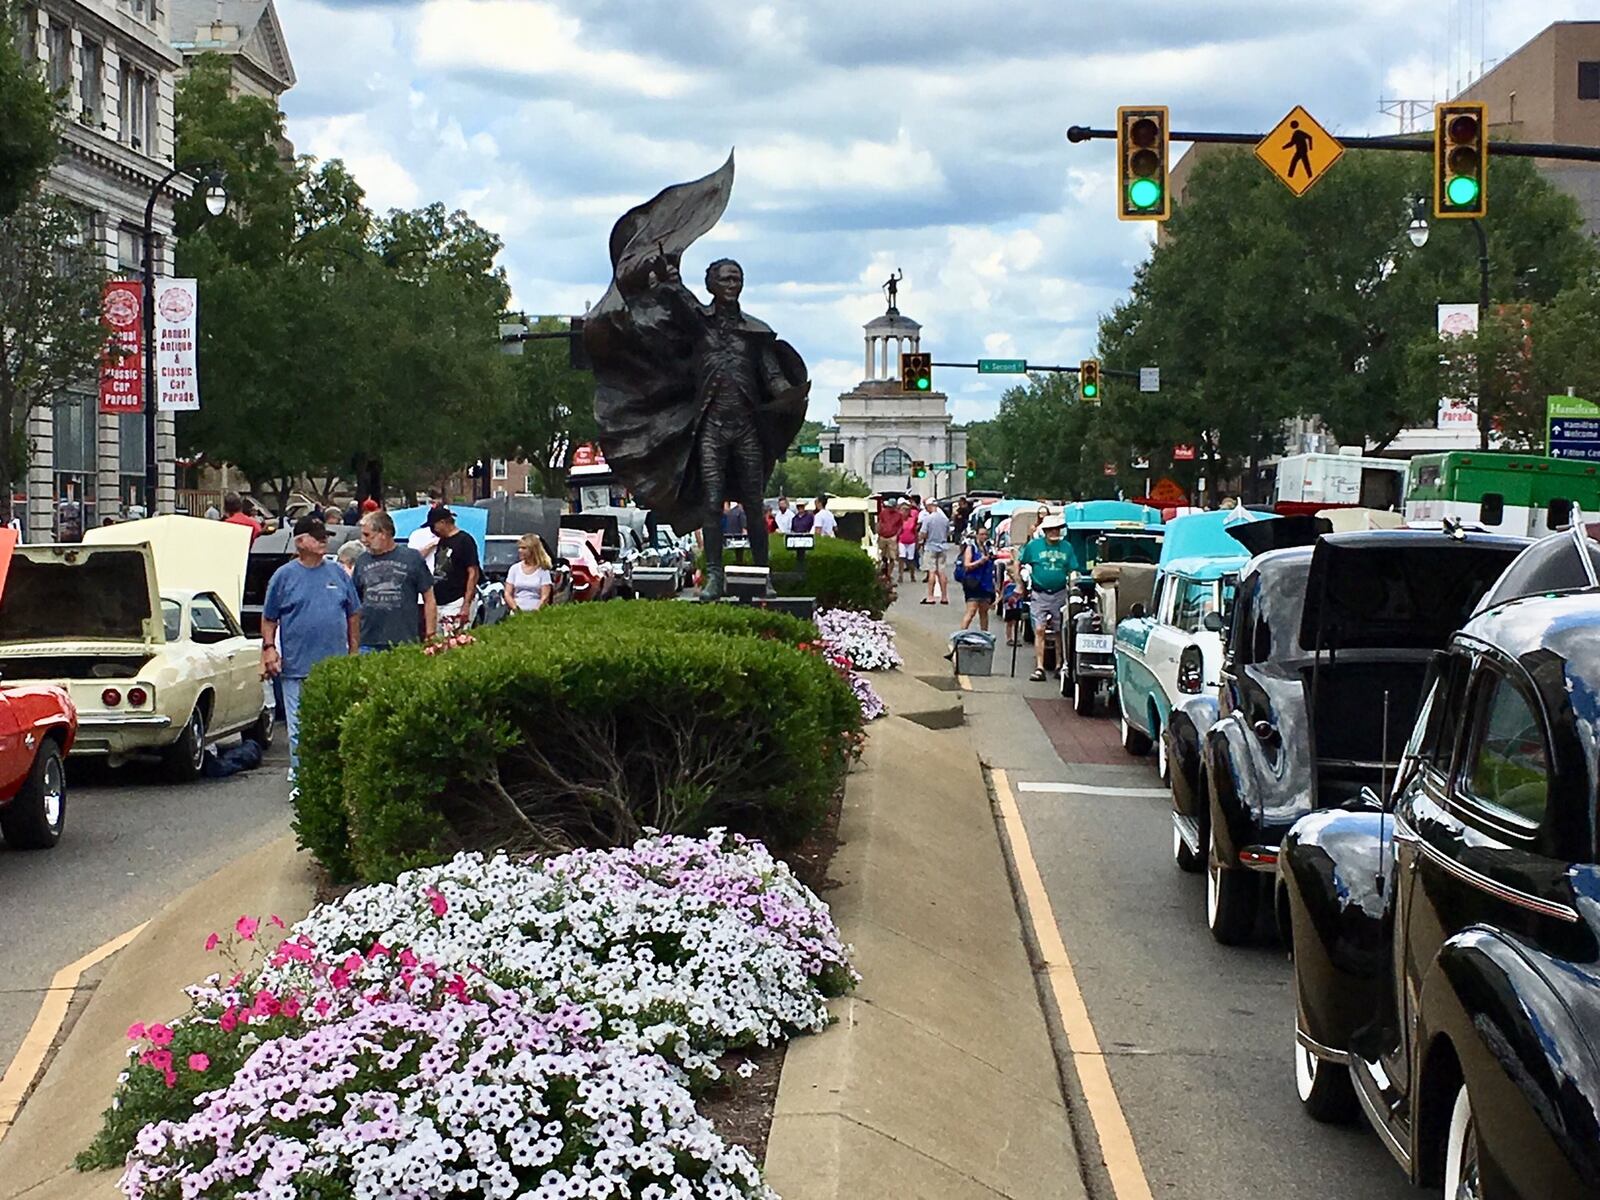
x,y
1204,567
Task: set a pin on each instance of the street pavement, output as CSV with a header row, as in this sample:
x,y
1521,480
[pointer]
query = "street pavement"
x,y
1198,1036
132,843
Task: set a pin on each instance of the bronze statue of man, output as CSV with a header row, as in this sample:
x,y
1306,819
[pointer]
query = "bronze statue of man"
x,y
695,402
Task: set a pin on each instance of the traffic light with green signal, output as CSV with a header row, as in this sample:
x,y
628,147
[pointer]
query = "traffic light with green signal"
x,y
1460,159
1089,380
1142,144
972,468
916,372
919,468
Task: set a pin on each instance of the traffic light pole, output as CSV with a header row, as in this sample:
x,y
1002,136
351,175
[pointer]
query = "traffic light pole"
x,y
1082,133
1108,372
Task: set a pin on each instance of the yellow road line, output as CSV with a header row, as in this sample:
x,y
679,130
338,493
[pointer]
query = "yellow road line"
x,y
1094,1077
35,1046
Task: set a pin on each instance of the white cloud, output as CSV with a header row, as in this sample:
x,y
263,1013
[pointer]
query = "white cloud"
x,y
524,37
791,164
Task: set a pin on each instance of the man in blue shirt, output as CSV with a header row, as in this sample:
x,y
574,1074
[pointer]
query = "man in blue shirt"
x,y
311,613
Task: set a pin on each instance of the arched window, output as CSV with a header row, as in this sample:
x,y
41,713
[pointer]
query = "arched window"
x,y
893,461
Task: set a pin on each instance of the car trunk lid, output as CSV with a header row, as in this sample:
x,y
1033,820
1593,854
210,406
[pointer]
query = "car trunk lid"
x,y
80,594
1398,589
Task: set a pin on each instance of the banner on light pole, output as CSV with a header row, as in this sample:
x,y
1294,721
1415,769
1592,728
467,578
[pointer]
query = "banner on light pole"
x,y
177,378
122,362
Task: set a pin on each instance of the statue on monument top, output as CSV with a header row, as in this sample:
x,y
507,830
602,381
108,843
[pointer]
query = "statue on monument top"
x,y
891,290
695,402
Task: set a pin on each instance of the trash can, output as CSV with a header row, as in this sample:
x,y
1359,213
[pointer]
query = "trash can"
x,y
974,652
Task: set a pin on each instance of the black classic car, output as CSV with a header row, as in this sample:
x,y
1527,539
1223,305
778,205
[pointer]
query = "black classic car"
x,y
1447,953
1319,686
1110,592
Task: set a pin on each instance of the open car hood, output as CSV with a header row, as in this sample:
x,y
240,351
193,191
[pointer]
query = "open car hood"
x,y
82,593
1398,588
605,526
1281,533
190,553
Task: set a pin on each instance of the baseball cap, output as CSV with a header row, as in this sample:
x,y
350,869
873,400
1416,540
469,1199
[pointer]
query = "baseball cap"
x,y
312,525
441,513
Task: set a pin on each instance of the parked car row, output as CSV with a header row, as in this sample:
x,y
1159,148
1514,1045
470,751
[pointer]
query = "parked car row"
x,y
1393,764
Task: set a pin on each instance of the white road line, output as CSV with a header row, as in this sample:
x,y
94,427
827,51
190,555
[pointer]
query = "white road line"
x,y
1121,1156
1092,789
35,1046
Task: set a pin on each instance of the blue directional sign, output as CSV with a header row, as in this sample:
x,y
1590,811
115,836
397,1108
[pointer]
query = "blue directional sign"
x,y
1573,428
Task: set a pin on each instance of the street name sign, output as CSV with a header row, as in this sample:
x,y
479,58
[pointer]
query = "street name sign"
x,y
1573,428
943,466
1002,366
813,449
1299,151
1149,379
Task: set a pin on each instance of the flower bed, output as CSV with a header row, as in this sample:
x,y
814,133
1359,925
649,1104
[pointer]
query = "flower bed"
x,y
486,1025
867,642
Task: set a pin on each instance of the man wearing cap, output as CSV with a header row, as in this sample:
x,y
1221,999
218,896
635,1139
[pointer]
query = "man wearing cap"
x,y
455,570
310,613
1051,562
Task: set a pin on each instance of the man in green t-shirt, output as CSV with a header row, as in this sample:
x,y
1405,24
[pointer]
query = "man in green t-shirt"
x,y
1052,562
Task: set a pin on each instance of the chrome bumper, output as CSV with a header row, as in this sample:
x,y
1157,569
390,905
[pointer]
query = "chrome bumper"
x,y
121,734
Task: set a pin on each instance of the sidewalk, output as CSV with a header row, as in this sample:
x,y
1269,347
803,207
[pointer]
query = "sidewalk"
x,y
144,982
940,1074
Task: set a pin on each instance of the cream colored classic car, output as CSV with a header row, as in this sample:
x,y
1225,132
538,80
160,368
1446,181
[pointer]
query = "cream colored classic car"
x,y
138,625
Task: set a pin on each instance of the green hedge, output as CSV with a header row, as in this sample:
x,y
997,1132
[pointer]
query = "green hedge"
x,y
574,726
840,574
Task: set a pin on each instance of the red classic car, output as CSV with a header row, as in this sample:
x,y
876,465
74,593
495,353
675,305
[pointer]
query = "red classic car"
x,y
37,725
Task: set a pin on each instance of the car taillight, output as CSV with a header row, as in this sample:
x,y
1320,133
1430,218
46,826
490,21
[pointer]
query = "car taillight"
x,y
1191,672
137,696
111,697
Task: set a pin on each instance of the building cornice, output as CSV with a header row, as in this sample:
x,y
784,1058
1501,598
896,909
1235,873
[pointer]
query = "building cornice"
x,y
111,157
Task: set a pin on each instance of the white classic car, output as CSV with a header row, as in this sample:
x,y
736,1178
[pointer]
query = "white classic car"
x,y
138,625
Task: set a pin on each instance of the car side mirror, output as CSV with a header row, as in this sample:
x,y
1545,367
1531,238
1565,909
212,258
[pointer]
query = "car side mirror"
x,y
1213,622
1559,514
1491,509
1137,610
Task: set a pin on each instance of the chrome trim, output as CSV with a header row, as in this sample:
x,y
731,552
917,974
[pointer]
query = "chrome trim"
x,y
1511,895
1325,1053
1184,825
1377,1121
125,721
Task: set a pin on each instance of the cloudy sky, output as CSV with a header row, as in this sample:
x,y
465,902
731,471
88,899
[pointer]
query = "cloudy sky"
x,y
927,135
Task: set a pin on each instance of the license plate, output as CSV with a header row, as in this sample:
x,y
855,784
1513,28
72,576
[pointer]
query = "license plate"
x,y
1094,643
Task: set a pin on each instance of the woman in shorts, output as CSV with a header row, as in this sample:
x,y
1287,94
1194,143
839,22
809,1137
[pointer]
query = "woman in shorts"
x,y
977,577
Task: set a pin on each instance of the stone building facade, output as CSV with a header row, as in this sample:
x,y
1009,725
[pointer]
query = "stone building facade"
x,y
113,61
884,429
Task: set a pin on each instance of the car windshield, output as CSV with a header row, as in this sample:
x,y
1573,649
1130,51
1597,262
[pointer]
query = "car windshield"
x,y
497,553
573,547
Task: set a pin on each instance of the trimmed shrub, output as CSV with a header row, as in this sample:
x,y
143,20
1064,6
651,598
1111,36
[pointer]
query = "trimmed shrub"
x,y
573,728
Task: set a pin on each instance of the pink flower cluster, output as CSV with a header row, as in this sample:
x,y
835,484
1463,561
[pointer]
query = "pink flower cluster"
x,y
455,640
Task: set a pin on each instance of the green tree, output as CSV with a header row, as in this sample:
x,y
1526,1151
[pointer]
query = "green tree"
x,y
1045,441
28,138
801,477
50,331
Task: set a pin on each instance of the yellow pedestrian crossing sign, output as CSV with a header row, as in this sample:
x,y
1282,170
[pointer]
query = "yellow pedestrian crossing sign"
x,y
1299,151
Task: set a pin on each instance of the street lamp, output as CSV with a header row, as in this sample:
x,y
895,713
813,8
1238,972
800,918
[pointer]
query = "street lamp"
x,y
1417,231
216,200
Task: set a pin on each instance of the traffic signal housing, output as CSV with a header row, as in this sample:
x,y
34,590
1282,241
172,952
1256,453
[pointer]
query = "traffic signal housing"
x,y
916,372
1142,146
919,468
1089,380
972,468
1460,159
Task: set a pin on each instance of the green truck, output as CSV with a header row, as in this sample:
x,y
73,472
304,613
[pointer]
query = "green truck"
x,y
1455,485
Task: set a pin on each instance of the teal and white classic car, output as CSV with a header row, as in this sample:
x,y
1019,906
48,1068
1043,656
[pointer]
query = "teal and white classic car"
x,y
1173,651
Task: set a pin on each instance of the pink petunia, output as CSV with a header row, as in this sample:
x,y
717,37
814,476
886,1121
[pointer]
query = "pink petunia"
x,y
436,901
276,920
170,1077
160,1035
340,978
229,1020
198,1062
135,1031
406,958
246,928
290,1007
322,1006
211,942
379,950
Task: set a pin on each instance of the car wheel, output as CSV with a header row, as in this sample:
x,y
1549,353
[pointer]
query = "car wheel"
x,y
35,817
265,725
1085,697
1232,898
1461,1180
184,758
1186,859
1163,758
1325,1089
1133,741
